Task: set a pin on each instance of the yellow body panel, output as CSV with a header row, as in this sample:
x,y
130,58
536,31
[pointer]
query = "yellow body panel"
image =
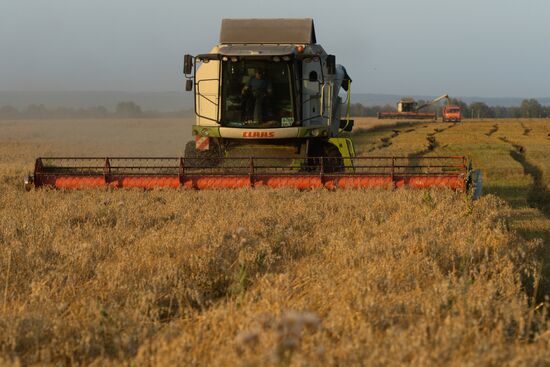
x,y
346,148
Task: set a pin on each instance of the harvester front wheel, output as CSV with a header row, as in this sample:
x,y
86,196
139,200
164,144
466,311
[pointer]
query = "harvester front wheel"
x,y
333,159
205,158
330,154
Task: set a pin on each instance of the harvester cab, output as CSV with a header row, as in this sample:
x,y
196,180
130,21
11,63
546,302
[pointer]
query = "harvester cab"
x,y
268,104
407,104
268,90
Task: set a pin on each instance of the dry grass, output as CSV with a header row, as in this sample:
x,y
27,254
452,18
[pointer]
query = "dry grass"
x,y
262,277
513,154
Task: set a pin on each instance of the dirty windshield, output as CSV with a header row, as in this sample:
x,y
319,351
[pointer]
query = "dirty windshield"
x,y
257,94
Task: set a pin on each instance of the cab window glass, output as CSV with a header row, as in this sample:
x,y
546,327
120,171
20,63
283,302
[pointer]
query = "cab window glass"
x,y
257,93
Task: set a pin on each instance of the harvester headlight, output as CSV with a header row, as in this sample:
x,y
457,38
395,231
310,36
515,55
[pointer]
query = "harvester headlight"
x,y
225,58
205,132
286,58
315,132
234,59
276,58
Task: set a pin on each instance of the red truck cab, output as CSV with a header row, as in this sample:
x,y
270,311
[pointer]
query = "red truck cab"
x,y
452,114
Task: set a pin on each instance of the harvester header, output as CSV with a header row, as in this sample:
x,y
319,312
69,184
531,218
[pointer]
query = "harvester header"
x,y
187,173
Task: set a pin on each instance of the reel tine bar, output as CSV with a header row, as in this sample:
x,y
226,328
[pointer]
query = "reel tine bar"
x,y
221,173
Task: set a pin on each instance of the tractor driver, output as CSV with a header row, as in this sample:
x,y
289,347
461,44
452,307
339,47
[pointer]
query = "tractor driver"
x,y
255,94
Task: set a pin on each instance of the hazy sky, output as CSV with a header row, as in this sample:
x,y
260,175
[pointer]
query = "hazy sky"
x,y
491,48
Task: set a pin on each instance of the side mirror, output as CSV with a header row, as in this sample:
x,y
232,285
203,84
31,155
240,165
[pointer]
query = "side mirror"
x,y
187,64
189,85
331,64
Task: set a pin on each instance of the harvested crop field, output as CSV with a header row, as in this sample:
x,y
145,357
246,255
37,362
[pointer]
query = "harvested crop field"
x,y
258,277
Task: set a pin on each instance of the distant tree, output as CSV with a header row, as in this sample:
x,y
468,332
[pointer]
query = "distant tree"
x,y
524,107
535,108
500,111
388,108
357,109
531,108
128,109
513,111
481,110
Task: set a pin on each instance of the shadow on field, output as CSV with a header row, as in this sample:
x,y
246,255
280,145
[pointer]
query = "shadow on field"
x,y
432,144
493,130
399,128
389,127
526,130
538,197
514,195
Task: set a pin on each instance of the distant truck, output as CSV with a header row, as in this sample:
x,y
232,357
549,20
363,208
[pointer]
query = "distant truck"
x,y
451,113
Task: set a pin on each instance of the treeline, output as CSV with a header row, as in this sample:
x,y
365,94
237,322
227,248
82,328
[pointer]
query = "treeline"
x,y
122,110
529,108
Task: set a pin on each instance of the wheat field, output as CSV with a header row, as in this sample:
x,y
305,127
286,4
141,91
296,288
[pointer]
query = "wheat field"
x,y
281,277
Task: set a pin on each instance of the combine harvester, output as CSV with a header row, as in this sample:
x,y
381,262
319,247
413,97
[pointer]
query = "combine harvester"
x,y
268,107
408,109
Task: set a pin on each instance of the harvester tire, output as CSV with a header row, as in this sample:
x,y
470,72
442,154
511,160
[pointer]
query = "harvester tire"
x,y
206,158
332,158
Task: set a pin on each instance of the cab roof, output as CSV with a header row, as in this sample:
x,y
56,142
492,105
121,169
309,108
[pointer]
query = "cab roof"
x,y
268,31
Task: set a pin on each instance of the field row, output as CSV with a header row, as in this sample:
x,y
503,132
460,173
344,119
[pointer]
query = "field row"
x,y
513,155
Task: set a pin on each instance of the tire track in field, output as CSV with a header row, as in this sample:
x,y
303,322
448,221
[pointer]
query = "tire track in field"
x,y
526,130
493,130
539,195
387,141
432,143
